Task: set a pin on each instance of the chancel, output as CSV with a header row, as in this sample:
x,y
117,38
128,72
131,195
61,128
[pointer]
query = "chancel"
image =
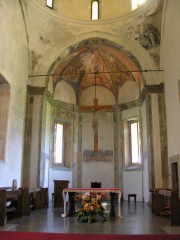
x,y
90,92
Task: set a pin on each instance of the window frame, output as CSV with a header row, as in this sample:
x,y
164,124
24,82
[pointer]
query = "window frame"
x,y
128,163
66,148
97,10
131,143
54,144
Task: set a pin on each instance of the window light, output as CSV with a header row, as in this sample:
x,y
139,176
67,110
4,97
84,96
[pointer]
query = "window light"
x,y
58,143
49,3
136,3
95,10
134,142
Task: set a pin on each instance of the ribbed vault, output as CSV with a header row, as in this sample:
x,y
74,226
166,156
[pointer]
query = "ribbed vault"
x,y
97,61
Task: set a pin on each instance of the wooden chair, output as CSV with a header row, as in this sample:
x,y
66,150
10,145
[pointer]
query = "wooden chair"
x,y
104,202
95,184
131,195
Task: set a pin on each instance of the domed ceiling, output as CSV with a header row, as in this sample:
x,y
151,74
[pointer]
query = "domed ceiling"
x,y
96,61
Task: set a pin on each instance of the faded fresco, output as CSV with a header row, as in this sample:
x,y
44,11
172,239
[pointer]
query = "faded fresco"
x,y
100,156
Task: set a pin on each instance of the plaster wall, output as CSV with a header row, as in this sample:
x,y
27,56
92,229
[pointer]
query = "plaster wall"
x,y
107,8
14,68
65,93
98,171
170,59
132,183
130,113
104,96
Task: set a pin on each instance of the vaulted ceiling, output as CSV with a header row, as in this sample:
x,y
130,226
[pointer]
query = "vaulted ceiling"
x,y
97,61
106,53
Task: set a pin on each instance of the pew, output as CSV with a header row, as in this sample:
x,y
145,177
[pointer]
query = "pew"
x,y
34,198
14,198
21,201
166,202
161,201
154,198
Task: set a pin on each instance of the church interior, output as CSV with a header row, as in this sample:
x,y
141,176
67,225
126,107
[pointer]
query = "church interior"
x,y
90,92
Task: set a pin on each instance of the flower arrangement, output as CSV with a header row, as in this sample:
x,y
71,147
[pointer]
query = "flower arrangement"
x,y
88,207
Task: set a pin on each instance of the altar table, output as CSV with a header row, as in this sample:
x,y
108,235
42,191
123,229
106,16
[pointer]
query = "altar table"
x,y
72,191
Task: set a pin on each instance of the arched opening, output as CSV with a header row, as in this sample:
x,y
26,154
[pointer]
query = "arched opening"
x,y
4,109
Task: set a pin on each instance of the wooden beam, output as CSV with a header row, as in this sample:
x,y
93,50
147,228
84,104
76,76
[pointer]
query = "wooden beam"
x,y
95,107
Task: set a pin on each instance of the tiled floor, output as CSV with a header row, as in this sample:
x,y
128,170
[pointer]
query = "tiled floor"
x,y
136,220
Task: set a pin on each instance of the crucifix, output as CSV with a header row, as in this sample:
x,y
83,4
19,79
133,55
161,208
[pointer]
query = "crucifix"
x,y
94,109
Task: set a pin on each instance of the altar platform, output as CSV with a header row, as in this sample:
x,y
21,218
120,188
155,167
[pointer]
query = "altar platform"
x,y
72,191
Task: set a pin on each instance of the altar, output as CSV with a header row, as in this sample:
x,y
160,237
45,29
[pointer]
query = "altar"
x,y
72,191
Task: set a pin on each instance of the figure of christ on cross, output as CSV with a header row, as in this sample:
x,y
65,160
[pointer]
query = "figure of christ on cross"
x,y
94,109
95,128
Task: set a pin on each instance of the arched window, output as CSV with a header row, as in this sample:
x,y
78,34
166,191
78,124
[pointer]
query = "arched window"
x,y
95,10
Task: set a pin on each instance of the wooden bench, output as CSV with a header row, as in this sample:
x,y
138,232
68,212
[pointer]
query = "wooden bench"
x,y
154,197
166,202
161,201
14,198
34,198
21,201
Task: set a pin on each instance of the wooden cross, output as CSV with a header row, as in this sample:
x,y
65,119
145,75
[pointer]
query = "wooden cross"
x,y
94,109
